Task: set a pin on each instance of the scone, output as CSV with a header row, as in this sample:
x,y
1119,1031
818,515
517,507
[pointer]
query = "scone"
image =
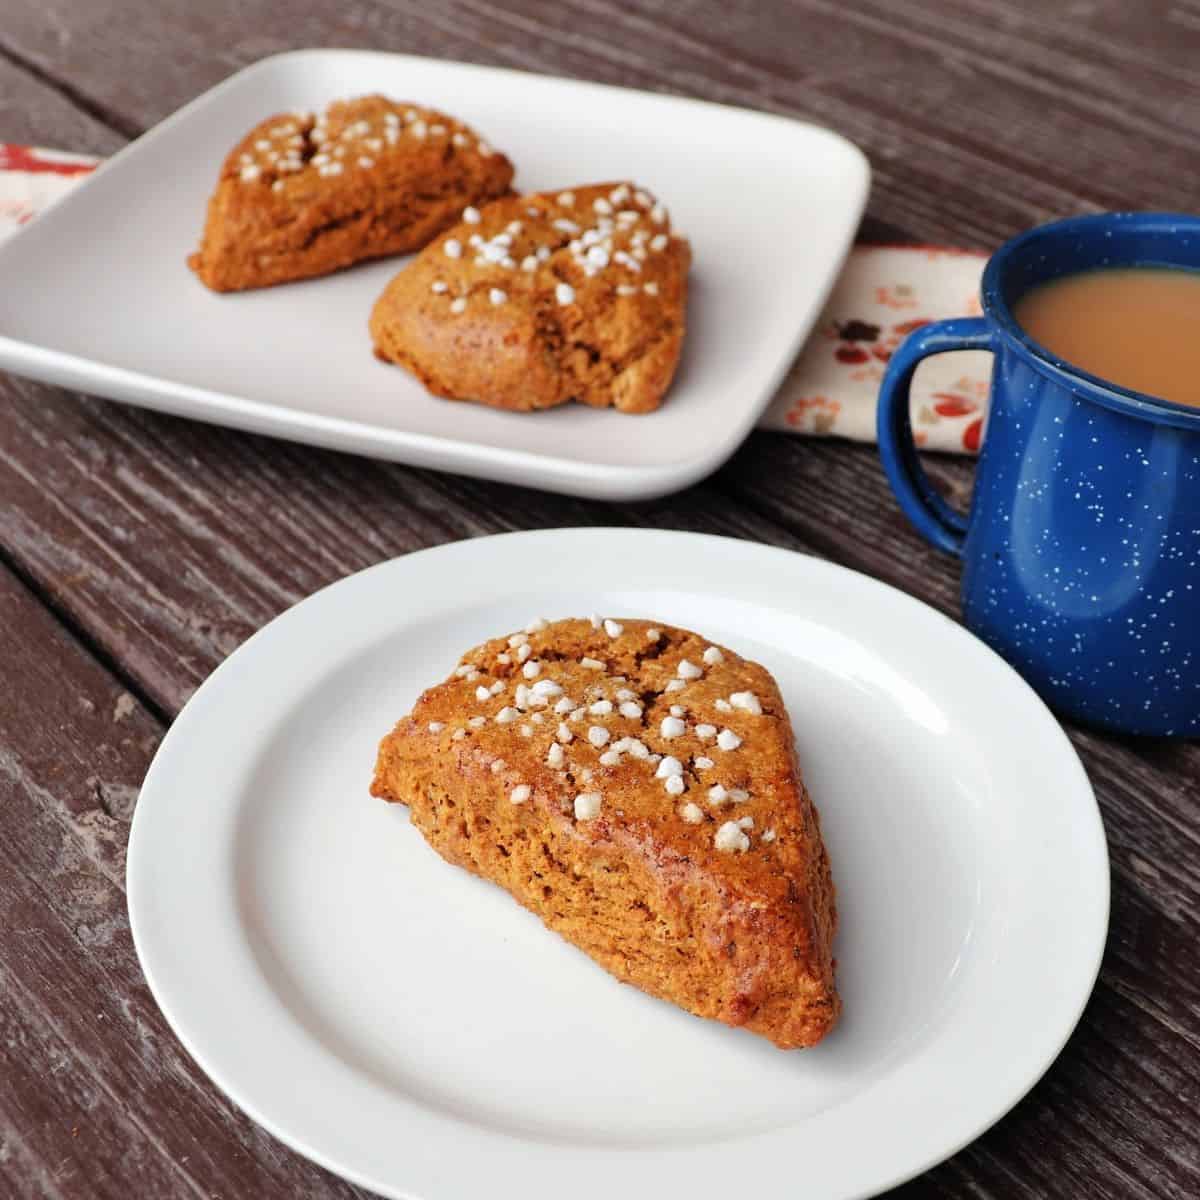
x,y
535,300
299,196
637,788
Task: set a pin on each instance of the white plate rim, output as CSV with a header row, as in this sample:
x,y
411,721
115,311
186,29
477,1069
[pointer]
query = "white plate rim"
x,y
1094,856
572,477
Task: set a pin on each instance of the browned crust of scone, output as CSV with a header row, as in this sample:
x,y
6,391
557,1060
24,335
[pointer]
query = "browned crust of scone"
x,y
615,341
300,196
739,936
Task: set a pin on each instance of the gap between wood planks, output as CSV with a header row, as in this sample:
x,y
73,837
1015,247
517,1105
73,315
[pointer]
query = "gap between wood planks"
x,y
95,109
79,634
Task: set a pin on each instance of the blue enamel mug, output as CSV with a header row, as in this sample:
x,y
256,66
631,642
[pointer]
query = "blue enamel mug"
x,y
1081,549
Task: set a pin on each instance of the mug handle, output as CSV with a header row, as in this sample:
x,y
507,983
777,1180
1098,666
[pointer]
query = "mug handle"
x,y
944,526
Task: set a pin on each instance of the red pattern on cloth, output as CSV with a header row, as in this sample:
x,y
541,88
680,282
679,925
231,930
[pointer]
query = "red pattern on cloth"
x,y
33,161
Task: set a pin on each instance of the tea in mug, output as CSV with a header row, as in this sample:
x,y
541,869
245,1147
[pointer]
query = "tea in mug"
x,y
1134,326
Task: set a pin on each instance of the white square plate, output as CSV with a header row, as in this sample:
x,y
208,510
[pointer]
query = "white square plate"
x,y
770,206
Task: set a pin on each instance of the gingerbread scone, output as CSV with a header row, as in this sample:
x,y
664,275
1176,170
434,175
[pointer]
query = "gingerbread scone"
x,y
300,196
638,789
533,301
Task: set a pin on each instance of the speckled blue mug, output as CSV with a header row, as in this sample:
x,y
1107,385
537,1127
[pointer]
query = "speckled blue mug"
x,y
1081,550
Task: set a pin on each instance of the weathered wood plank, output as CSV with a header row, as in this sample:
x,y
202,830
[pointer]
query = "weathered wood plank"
x,y
32,113
170,542
98,1100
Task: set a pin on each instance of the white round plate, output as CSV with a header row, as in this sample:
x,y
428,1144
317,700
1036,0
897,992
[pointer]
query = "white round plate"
x,y
410,1027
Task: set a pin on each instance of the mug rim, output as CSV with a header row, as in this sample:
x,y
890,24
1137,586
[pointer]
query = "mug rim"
x,y
1112,395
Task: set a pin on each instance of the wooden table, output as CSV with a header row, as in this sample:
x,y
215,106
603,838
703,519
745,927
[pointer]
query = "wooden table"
x,y
139,550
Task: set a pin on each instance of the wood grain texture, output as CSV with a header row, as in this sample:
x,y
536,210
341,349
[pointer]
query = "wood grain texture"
x,y
157,545
98,1099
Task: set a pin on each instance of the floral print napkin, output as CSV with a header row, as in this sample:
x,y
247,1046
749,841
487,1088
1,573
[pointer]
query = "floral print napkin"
x,y
883,294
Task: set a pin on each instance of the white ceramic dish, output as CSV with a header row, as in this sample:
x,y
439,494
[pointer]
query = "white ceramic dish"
x,y
412,1028
769,204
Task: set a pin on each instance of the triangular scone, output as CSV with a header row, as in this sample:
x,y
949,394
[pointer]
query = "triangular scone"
x,y
536,300
638,789
300,196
